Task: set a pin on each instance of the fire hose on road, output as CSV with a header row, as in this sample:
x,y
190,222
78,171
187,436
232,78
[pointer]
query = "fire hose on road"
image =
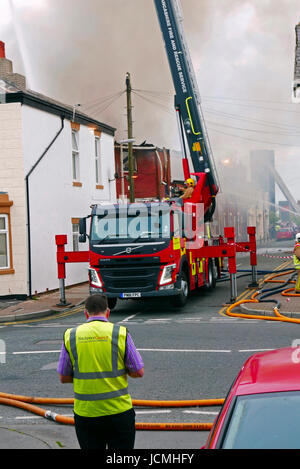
x,y
28,403
259,297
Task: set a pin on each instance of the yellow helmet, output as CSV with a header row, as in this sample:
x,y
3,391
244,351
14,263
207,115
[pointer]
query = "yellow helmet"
x,y
190,182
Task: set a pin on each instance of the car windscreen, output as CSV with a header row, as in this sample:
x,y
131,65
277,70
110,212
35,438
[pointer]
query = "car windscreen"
x,y
264,421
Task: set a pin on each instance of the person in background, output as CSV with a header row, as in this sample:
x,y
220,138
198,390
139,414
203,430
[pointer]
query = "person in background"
x,y
297,261
96,357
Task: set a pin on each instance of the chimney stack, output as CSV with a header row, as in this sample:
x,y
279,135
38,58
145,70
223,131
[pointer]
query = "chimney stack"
x,y
2,50
6,70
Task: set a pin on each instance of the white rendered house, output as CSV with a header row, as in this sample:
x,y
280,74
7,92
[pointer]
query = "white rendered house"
x,y
54,164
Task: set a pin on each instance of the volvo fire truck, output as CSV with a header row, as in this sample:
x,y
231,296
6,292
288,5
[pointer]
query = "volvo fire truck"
x,y
159,249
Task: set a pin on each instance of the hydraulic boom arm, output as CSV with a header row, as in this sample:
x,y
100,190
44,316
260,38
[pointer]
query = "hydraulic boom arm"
x,y
187,99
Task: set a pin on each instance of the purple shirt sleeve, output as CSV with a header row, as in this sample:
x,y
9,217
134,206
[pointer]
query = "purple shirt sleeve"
x,y
64,367
133,359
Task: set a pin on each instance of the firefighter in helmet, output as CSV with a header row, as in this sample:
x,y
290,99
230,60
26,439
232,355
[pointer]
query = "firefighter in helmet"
x,y
190,186
297,261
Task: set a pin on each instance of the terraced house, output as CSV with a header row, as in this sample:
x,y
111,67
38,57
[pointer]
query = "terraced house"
x,y
55,162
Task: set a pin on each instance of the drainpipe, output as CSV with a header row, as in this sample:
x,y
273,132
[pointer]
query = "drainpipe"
x,y
28,204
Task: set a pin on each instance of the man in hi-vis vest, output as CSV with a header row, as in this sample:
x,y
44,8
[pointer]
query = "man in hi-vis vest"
x,y
96,357
297,262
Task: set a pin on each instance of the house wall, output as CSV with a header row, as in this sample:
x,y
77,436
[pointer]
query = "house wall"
x,y
12,182
54,200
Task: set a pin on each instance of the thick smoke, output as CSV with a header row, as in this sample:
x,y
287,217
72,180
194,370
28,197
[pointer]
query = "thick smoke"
x,y
79,51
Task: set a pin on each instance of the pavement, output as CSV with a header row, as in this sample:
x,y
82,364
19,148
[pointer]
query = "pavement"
x,y
43,305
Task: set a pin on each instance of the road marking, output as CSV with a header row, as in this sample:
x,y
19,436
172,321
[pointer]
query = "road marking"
x,y
199,412
49,366
149,412
182,350
257,350
242,296
138,412
35,351
159,319
129,317
30,417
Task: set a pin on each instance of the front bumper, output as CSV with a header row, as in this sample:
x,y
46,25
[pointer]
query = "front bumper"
x,y
149,294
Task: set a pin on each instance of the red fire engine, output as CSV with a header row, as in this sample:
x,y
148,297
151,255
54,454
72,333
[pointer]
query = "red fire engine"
x,y
162,248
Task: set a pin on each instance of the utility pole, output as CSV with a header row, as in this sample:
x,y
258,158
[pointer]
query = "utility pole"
x,y
130,137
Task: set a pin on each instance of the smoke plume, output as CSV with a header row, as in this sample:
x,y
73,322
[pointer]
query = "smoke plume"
x,y
243,53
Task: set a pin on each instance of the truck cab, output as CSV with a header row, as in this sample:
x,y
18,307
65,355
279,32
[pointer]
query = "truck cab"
x,y
144,250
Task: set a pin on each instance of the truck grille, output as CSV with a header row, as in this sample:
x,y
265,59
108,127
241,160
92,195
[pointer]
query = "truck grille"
x,y
130,275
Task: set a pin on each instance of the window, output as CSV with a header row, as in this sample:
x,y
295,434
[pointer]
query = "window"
x,y
75,155
6,257
4,242
75,233
97,161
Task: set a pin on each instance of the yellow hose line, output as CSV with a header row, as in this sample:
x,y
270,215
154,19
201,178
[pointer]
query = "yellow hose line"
x,y
26,403
135,402
174,426
278,316
192,403
38,400
37,410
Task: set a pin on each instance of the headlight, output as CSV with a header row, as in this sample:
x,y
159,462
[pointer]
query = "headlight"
x,y
94,278
167,274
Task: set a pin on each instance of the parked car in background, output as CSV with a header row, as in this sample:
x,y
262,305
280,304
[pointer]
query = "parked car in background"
x,y
284,233
262,408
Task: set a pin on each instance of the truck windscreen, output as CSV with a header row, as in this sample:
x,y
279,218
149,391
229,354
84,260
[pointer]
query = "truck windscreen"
x,y
119,226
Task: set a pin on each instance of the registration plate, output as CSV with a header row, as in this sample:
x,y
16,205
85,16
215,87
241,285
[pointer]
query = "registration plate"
x,y
131,295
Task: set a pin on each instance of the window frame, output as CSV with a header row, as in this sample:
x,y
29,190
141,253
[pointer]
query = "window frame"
x,y
97,157
5,205
75,156
75,234
5,232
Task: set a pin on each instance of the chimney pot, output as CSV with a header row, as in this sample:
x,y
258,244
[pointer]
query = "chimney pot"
x,y
2,50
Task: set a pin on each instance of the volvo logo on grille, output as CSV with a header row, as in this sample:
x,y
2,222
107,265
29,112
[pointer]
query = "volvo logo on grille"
x,y
127,250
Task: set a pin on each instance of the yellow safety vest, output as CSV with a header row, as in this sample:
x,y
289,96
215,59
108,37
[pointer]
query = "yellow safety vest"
x,y
296,260
97,351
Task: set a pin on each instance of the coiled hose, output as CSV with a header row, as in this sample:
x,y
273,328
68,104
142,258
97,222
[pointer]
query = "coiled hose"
x,y
259,297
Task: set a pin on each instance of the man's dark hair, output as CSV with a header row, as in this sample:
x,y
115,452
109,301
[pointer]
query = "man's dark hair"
x,y
96,304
